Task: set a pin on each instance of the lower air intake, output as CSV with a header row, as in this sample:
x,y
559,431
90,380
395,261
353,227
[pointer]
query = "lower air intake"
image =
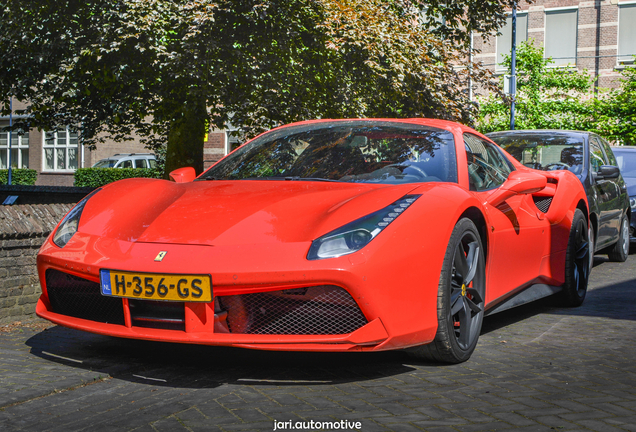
x,y
320,310
157,314
81,298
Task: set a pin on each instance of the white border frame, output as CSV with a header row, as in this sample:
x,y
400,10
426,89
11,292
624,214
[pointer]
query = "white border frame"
x,y
499,69
545,34
19,147
67,146
622,64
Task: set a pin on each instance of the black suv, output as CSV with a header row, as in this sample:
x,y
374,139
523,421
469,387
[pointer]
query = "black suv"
x,y
589,157
626,157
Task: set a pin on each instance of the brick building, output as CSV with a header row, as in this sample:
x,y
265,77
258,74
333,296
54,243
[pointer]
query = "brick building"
x,y
55,155
599,36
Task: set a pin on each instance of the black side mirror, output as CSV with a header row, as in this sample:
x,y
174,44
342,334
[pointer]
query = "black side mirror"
x,y
609,172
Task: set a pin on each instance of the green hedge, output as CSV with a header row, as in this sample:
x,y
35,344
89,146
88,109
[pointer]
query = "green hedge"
x,y
96,177
19,176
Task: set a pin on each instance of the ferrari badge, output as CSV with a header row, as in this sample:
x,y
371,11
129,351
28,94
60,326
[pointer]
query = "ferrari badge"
x,y
160,255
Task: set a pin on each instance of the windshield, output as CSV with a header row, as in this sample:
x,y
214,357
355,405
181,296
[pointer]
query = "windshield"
x,y
626,161
105,163
348,151
544,151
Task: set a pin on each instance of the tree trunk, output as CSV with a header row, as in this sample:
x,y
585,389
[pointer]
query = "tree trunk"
x,y
185,139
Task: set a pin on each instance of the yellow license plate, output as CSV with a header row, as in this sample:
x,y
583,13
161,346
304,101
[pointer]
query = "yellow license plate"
x,y
156,286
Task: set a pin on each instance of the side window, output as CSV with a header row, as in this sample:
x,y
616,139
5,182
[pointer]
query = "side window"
x,y
140,163
126,164
597,158
608,152
487,167
152,163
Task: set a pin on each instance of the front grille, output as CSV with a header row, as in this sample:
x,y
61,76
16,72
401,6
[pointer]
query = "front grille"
x,y
542,203
157,314
80,298
320,310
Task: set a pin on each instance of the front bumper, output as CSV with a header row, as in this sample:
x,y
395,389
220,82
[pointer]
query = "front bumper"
x,y
199,329
390,321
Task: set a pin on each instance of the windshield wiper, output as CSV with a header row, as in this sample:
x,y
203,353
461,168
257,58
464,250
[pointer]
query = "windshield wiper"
x,y
288,178
298,178
263,178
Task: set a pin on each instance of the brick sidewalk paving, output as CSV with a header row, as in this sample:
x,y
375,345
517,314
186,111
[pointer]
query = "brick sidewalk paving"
x,y
536,368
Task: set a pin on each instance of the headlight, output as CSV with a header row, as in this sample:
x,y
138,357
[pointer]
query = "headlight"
x,y
632,203
68,226
357,234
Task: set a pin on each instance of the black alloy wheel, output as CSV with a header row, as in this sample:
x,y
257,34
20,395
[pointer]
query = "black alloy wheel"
x,y
466,300
460,301
590,240
620,251
577,262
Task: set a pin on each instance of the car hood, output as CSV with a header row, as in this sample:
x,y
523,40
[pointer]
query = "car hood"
x,y
230,212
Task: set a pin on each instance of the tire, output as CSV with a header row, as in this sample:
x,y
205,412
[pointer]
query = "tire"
x,y
590,239
577,262
460,298
620,251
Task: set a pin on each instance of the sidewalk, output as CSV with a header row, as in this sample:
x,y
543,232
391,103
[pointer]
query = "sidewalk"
x,y
536,368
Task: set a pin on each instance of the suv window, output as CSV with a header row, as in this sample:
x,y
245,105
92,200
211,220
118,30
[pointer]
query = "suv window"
x,y
487,168
128,161
608,152
597,158
104,163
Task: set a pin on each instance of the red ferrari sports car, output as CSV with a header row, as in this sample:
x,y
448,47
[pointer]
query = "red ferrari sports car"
x,y
328,235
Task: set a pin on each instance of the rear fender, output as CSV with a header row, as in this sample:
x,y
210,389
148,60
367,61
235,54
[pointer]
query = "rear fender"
x,y
569,195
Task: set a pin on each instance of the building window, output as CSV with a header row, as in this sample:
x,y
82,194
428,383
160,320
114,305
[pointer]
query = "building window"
x,y
60,150
626,33
432,23
560,36
504,41
19,150
233,143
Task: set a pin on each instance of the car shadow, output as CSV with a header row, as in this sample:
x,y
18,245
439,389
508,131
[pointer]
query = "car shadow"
x,y
612,301
511,316
201,366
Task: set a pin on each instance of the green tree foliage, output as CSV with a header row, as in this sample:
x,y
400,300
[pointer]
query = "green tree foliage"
x,y
165,69
454,20
547,98
616,113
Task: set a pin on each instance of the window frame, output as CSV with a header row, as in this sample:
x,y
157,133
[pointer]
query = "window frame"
x,y
624,59
592,154
19,148
498,67
554,11
610,157
56,146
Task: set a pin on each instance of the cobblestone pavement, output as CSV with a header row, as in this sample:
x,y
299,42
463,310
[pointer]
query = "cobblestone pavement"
x,y
536,368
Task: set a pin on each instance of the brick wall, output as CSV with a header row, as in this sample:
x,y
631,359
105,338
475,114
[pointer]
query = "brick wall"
x,y
597,37
23,229
214,147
